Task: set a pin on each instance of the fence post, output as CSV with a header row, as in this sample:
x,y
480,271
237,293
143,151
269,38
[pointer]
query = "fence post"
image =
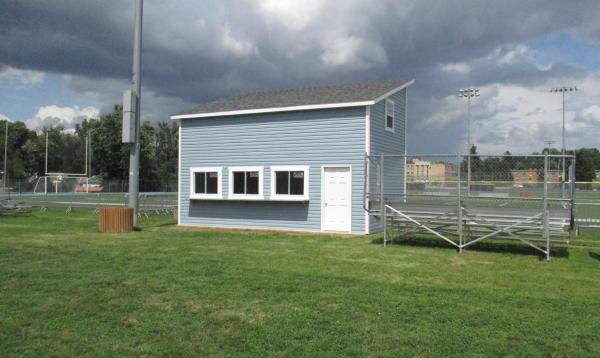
x,y
459,199
404,176
545,214
469,174
382,199
573,180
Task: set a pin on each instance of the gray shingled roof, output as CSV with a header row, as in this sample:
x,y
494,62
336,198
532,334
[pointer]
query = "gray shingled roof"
x,y
343,93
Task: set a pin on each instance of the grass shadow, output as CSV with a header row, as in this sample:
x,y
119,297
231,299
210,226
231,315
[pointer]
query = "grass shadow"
x,y
500,246
595,255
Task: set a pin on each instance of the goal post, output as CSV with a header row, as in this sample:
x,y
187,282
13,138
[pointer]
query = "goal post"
x,y
72,180
62,183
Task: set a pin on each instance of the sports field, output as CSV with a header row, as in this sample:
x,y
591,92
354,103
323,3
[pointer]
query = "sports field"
x,y
163,290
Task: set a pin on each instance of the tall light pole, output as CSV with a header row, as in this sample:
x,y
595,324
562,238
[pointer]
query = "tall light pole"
x,y
136,89
5,173
468,93
563,90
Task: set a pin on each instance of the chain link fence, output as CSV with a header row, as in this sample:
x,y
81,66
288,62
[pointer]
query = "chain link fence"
x,y
587,204
73,193
501,181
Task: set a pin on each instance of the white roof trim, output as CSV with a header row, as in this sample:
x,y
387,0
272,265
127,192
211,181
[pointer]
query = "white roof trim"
x,y
292,108
270,110
394,91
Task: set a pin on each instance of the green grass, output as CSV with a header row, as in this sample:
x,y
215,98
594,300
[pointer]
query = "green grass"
x,y
68,290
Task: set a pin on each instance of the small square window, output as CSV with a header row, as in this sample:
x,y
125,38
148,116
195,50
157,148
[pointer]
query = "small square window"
x,y
289,183
205,183
245,182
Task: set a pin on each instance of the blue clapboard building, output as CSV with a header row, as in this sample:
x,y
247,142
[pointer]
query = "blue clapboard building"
x,y
290,159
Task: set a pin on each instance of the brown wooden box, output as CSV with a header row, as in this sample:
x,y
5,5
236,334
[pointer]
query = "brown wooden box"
x,y
115,220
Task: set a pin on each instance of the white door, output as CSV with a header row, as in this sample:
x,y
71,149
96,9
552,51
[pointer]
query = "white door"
x,y
336,199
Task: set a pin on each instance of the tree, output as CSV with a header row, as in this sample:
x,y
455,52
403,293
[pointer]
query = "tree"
x,y
587,161
149,180
167,140
110,157
18,136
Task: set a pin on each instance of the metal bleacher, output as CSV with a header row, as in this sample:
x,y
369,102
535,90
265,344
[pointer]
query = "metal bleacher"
x,y
473,199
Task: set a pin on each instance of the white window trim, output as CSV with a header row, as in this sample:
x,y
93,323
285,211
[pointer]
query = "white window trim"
x,y
392,129
258,196
218,195
286,197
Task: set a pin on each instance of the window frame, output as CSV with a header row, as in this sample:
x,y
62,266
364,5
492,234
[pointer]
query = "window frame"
x,y
389,102
290,168
194,170
258,196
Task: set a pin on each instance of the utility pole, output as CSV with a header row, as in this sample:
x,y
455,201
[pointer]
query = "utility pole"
x,y
563,90
136,88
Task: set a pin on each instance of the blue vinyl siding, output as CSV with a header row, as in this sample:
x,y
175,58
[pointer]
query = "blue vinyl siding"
x,y
313,138
383,141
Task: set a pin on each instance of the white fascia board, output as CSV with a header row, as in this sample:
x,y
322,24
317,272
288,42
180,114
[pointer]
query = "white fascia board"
x,y
271,110
368,130
394,91
367,152
179,176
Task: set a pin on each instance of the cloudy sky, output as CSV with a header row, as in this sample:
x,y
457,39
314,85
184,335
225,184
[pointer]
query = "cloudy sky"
x,y
64,60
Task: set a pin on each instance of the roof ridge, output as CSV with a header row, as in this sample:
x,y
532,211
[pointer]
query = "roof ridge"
x,y
329,85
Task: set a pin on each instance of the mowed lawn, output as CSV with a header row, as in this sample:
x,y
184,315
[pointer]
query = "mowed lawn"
x,y
67,290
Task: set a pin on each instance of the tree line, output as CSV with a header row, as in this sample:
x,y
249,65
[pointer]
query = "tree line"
x,y
587,163
108,157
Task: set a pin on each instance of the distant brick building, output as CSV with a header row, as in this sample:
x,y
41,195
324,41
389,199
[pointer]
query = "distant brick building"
x,y
443,171
534,175
421,171
418,171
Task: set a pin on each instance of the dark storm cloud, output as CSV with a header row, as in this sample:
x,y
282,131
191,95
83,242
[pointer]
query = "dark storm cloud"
x,y
74,37
196,51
